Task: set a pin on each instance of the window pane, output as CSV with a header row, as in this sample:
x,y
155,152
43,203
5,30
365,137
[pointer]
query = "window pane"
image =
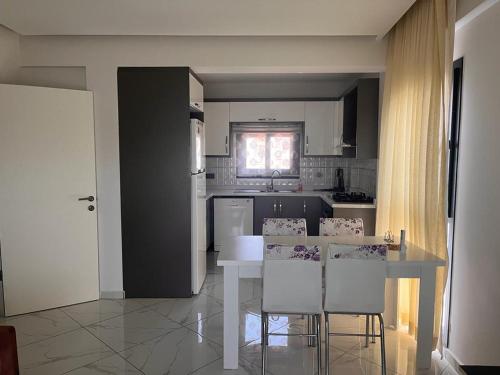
x,y
255,150
281,151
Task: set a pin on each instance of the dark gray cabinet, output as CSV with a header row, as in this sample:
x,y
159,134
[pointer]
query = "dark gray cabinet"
x,y
360,122
309,208
263,207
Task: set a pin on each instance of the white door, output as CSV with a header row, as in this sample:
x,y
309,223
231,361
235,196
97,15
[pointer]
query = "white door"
x,y
48,236
216,118
323,128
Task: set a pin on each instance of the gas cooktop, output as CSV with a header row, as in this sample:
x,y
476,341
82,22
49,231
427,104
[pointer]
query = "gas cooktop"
x,y
353,197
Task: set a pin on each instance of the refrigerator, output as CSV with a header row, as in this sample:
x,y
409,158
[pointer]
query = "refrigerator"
x,y
198,206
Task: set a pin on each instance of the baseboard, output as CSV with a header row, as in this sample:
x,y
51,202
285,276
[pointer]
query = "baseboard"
x,y
454,362
112,294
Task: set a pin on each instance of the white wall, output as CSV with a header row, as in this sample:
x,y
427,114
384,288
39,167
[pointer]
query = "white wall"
x,y
62,77
9,55
475,300
102,55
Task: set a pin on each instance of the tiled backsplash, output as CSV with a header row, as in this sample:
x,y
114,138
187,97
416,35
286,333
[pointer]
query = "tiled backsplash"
x,y
315,173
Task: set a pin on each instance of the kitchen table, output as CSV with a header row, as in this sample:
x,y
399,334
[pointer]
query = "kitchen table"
x,y
242,257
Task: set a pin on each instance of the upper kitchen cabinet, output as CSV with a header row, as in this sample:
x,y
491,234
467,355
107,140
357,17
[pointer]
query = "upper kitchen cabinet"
x,y
360,120
216,128
323,128
267,111
195,93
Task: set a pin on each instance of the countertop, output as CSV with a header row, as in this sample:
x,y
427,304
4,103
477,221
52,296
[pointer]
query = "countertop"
x,y
325,196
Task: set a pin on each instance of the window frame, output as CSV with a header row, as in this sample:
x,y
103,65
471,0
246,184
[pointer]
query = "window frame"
x,y
237,129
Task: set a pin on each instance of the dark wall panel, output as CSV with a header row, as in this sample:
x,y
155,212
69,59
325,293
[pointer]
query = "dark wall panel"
x,y
155,181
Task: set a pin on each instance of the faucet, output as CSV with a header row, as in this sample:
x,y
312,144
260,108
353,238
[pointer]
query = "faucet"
x,y
272,178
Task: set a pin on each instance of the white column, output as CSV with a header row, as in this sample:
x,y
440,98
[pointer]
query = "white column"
x,y
231,317
425,327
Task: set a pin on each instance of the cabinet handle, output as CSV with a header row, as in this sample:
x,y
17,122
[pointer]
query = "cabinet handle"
x,y
307,144
281,208
274,208
261,119
226,145
305,207
271,119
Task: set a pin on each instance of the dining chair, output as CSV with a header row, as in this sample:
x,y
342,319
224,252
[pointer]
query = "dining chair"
x,y
355,284
292,277
339,226
284,227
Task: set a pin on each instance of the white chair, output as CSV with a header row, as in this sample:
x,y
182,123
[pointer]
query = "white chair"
x,y
291,285
338,226
284,227
355,284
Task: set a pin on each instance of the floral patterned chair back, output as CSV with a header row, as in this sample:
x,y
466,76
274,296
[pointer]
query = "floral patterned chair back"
x,y
338,226
341,251
284,227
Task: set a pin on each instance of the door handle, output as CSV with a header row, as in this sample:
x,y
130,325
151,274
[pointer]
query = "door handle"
x,y
281,208
90,198
307,144
226,144
305,207
274,208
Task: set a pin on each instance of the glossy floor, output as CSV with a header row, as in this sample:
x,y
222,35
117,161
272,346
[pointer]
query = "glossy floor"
x,y
184,336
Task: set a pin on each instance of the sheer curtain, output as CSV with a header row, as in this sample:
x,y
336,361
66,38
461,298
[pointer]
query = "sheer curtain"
x,y
413,141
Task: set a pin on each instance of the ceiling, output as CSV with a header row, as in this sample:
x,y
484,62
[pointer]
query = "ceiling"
x,y
202,17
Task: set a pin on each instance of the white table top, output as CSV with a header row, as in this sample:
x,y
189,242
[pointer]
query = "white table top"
x,y
249,250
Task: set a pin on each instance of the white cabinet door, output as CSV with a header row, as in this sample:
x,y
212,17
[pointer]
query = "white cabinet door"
x,y
267,111
195,93
322,128
48,230
216,128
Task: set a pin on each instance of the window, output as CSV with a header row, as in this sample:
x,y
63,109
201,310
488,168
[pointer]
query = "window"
x,y
262,149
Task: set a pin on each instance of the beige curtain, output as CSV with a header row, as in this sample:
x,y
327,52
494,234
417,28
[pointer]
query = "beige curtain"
x,y
413,140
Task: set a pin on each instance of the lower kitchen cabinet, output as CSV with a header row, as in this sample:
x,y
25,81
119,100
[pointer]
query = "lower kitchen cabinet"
x,y
309,208
263,207
367,214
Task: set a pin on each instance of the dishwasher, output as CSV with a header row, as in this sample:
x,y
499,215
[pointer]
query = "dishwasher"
x,y
232,217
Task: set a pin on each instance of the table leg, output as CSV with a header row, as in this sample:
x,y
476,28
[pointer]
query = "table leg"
x,y
427,293
231,316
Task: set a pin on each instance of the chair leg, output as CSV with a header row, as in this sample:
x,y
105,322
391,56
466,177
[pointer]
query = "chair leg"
x,y
367,333
382,344
373,329
264,341
318,341
327,344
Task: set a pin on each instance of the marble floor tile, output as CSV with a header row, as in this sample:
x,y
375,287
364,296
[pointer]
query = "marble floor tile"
x,y
287,355
352,365
177,353
189,310
96,311
62,353
249,289
253,306
216,368
114,365
250,327
40,325
128,330
214,278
